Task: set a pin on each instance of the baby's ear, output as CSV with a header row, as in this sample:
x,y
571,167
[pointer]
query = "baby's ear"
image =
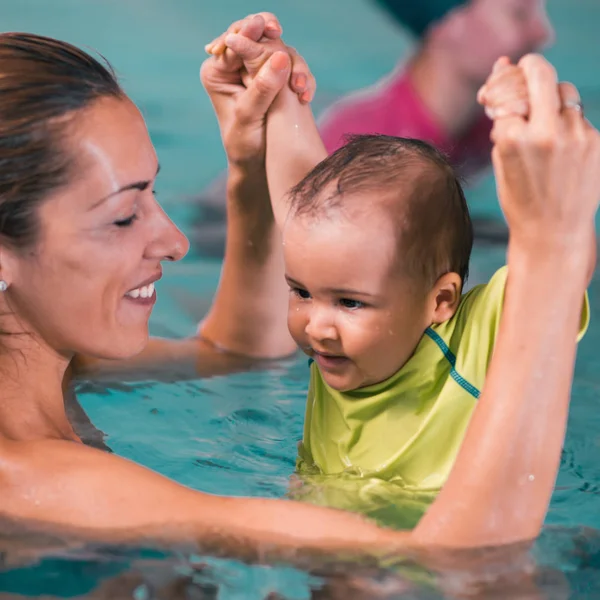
x,y
445,297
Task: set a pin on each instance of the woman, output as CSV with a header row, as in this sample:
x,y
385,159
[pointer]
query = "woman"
x,y
82,242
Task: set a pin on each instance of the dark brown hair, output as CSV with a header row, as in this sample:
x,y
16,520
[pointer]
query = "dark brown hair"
x,y
42,82
414,182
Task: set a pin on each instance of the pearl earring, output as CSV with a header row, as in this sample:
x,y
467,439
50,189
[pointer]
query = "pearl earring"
x,y
3,285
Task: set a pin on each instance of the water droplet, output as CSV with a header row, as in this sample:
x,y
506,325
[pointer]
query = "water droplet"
x,y
141,592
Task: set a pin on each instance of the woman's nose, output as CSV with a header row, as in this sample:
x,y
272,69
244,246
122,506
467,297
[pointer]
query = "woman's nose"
x,y
169,242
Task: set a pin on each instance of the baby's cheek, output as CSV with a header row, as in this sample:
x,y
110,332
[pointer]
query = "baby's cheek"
x,y
296,323
374,339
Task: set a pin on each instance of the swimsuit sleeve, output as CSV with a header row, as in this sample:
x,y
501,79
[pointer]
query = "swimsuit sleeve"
x,y
477,323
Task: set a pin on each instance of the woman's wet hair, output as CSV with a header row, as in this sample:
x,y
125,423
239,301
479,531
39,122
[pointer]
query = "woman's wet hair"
x,y
416,186
43,84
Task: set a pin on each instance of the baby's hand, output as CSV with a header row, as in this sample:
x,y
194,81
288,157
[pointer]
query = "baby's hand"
x,y
505,92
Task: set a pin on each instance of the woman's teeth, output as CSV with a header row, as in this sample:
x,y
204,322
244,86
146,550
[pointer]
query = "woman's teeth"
x,y
143,292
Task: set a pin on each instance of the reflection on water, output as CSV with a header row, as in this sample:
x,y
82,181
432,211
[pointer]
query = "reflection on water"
x,y
567,565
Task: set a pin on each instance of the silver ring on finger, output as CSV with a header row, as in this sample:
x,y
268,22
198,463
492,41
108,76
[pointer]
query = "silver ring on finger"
x,y
575,105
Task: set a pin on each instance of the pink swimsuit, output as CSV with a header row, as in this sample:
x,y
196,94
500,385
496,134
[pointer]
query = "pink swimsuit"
x,y
393,107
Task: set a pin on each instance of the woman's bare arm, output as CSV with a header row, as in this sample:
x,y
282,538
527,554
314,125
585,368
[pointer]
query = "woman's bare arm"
x,y
79,491
548,173
249,313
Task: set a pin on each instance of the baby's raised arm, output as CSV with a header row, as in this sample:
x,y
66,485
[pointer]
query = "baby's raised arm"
x,y
294,146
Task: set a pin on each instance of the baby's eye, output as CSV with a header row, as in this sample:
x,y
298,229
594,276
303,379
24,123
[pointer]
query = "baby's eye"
x,y
351,304
300,293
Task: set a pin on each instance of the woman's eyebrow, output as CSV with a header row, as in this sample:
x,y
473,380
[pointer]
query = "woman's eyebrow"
x,y
136,185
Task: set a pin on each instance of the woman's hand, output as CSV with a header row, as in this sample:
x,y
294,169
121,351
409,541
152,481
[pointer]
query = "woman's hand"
x,y
243,84
506,94
547,165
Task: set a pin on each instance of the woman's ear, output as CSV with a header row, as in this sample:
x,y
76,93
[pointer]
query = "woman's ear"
x,y
6,267
445,297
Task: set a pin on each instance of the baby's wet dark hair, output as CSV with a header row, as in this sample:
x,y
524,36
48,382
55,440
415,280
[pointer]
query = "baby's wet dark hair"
x,y
414,183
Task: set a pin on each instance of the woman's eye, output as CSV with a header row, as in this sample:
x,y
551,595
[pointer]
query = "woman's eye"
x,y
301,293
126,222
351,304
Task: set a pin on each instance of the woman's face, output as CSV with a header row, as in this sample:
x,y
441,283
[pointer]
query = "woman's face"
x,y
87,286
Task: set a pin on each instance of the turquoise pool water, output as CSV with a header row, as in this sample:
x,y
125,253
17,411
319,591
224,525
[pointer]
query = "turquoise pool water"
x,y
238,434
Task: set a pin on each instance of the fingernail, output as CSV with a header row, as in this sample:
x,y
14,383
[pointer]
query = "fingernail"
x,y
208,48
490,113
305,96
502,113
300,81
219,47
502,62
279,61
481,94
273,26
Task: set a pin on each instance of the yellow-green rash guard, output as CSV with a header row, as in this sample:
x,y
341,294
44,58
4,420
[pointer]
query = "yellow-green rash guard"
x,y
407,430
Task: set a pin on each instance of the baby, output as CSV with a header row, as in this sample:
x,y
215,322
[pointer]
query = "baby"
x,y
377,239
377,244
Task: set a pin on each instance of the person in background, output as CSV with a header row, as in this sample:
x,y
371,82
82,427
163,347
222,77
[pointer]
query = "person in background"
x,y
432,96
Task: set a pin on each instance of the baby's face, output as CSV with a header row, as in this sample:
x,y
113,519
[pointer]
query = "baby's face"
x,y
349,309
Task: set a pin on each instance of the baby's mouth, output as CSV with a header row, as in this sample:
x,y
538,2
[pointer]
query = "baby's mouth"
x,y
329,361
